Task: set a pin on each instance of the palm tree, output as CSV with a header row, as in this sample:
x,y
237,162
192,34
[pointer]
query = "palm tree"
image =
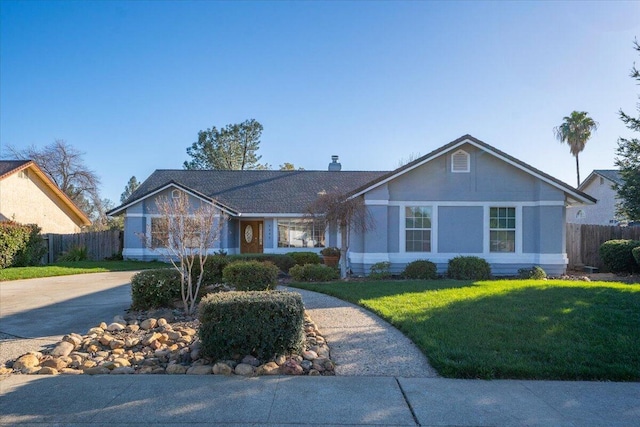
x,y
576,130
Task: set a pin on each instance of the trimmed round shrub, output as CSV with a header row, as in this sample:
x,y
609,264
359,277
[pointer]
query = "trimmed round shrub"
x,y
313,273
535,272
420,269
469,268
155,288
380,271
283,261
251,275
302,258
262,324
617,255
213,268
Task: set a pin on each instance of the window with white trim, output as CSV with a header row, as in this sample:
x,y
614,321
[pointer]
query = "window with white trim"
x,y
178,232
159,232
418,229
301,233
502,229
460,162
192,232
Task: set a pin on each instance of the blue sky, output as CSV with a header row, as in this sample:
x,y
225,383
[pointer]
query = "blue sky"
x,y
132,83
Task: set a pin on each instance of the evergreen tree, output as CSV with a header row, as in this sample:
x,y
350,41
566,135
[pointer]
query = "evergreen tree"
x,y
132,185
628,160
233,147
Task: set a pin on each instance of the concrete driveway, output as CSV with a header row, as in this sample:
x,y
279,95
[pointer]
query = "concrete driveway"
x,y
38,312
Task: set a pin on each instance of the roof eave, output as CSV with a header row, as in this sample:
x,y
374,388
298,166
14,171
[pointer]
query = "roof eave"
x,y
81,217
120,209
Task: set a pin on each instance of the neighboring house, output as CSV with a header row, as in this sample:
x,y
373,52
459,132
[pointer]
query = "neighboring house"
x,y
29,196
599,184
465,198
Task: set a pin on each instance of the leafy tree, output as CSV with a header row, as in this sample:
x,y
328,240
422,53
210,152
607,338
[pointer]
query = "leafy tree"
x,y
628,160
132,185
233,147
64,164
575,130
110,222
335,209
289,167
185,234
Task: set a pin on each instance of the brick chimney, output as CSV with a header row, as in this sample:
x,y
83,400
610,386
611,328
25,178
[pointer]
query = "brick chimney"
x,y
334,165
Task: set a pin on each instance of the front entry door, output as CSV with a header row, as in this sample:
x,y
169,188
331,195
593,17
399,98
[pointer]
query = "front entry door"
x,y
251,237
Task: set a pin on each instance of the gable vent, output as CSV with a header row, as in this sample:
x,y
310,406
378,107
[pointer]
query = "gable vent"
x,y
460,161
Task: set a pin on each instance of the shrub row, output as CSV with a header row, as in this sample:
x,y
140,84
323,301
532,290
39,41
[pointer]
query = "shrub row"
x,y
263,324
20,245
313,273
251,275
302,258
159,288
618,255
460,268
535,272
216,264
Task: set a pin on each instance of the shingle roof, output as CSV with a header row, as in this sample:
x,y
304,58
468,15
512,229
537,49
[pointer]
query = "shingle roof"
x,y
612,175
8,166
252,191
264,192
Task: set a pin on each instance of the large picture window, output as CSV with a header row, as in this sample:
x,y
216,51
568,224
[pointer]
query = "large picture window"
x,y
418,229
188,229
300,233
502,229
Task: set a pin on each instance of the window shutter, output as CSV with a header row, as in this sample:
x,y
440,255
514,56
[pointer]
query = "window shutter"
x,y
460,161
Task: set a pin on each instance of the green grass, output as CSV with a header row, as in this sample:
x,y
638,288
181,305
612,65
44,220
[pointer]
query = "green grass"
x,y
526,329
76,267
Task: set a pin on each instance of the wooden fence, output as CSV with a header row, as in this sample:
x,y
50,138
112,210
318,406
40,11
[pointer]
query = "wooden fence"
x,y
584,240
99,244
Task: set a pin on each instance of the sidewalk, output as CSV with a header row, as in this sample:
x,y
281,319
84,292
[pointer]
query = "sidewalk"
x,y
312,401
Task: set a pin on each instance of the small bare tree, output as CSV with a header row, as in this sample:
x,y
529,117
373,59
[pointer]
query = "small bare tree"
x,y
186,234
334,208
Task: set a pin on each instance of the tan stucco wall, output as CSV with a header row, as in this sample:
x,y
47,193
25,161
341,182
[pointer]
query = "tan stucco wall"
x,y
29,201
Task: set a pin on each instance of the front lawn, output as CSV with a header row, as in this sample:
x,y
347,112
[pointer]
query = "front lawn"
x,y
527,329
77,267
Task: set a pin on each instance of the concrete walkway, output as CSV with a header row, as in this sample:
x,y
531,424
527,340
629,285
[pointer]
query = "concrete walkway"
x,y
361,343
382,380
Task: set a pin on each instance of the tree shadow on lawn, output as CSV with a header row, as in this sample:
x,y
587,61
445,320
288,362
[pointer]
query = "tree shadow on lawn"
x,y
539,332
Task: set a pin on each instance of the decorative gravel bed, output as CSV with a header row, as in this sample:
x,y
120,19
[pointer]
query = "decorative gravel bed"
x,y
162,342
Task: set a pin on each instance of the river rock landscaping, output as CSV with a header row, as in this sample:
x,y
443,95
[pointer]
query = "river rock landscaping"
x,y
162,342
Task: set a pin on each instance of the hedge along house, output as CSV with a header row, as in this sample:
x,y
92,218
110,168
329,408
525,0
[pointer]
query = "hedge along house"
x,y
465,198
